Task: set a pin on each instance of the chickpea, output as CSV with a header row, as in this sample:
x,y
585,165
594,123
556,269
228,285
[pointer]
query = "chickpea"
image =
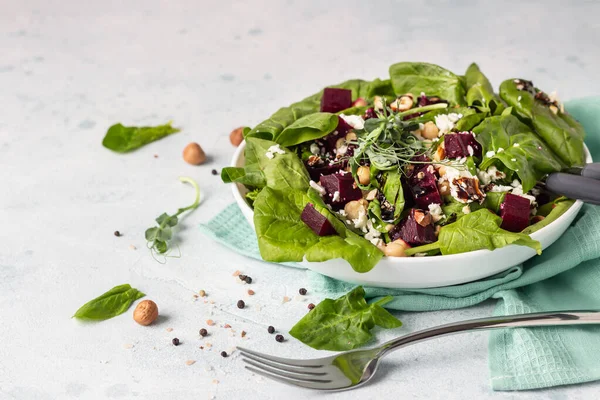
x,y
351,136
355,207
404,102
341,147
430,131
360,102
397,248
442,170
364,175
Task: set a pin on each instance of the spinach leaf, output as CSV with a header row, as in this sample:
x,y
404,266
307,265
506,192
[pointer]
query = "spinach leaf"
x,y
284,117
122,139
515,147
282,236
413,77
392,191
112,303
309,127
560,131
559,209
283,171
480,92
475,231
345,323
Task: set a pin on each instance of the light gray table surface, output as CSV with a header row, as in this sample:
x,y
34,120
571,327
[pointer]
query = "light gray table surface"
x,y
69,69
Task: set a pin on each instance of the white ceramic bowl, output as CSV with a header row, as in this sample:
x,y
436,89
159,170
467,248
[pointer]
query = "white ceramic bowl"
x,y
427,272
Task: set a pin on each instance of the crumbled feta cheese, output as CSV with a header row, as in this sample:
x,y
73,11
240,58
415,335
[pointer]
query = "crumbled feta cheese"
x,y
491,175
419,254
372,234
490,154
470,150
446,122
274,150
519,98
314,149
450,175
500,149
501,188
466,209
436,212
516,145
318,188
513,159
336,196
342,213
354,121
362,221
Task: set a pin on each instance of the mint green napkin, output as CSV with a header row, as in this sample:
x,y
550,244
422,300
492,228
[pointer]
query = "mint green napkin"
x,y
565,276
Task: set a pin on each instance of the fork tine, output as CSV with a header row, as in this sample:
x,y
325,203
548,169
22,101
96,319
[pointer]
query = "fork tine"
x,y
285,361
284,367
287,381
286,374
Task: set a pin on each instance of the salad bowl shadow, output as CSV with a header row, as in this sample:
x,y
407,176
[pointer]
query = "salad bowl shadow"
x,y
427,272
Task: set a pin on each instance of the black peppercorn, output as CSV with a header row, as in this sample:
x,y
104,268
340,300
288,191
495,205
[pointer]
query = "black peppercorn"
x,y
214,172
241,304
279,338
223,354
242,277
175,342
270,329
248,280
117,233
311,306
302,291
203,332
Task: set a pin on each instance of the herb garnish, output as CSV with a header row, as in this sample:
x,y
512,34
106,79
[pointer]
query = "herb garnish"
x,y
112,303
158,236
345,323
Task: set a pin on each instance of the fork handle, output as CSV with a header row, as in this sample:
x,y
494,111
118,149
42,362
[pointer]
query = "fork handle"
x,y
555,318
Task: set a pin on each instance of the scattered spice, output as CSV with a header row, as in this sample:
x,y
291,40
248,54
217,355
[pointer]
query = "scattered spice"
x,y
175,342
285,299
237,273
250,292
203,332
279,338
202,293
156,156
223,354
210,322
128,346
169,329
214,172
302,291
243,334
242,277
190,362
215,381
248,280
132,247
117,233
208,345
226,326
270,329
311,306
241,304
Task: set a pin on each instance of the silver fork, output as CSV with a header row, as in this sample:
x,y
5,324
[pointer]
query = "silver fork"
x,y
354,368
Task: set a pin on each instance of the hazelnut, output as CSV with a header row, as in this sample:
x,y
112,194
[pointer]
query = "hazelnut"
x,y
444,188
422,218
237,136
442,170
193,154
313,160
440,152
360,102
430,130
378,103
403,103
371,195
397,248
355,207
146,312
364,175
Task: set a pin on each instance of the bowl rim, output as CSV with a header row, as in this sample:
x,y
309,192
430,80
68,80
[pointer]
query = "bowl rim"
x,y
476,254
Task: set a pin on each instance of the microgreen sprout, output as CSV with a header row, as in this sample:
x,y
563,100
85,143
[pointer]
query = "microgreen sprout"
x,y
159,236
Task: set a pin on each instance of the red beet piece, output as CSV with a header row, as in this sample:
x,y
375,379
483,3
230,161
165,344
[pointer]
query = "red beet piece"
x,y
514,211
412,232
316,171
457,145
339,133
422,183
335,100
343,184
317,221
369,113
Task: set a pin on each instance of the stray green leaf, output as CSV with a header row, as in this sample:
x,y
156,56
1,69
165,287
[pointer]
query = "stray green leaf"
x,y
112,303
345,323
122,139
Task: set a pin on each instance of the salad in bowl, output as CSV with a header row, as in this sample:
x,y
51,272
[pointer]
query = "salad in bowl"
x,y
424,165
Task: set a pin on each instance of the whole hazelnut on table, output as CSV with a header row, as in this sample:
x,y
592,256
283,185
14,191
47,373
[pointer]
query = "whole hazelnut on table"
x,y
146,312
193,154
237,136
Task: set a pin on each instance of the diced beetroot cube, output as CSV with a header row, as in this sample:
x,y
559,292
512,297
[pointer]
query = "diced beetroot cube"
x,y
422,183
340,189
317,221
369,113
461,144
514,211
416,229
335,100
316,171
339,133
425,101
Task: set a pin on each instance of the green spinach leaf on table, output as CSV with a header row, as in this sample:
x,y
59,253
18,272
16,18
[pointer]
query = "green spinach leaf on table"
x,y
560,131
433,80
282,236
112,303
345,323
122,139
475,231
517,148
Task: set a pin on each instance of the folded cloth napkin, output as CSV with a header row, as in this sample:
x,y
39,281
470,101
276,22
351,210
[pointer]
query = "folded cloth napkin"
x,y
565,276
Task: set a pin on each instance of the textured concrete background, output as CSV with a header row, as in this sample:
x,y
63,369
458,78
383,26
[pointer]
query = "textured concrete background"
x,y
69,69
